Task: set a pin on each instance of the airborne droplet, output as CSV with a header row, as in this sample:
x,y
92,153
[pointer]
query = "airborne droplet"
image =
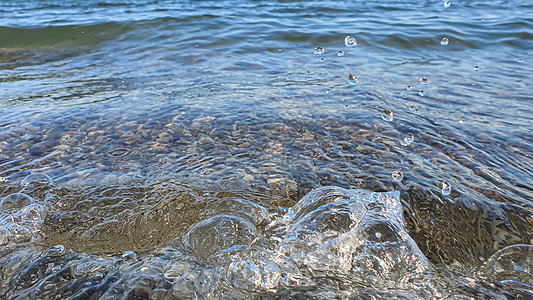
x,y
397,176
350,42
446,188
387,115
319,50
353,80
407,140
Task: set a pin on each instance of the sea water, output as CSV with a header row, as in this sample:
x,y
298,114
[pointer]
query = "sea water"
x,y
266,149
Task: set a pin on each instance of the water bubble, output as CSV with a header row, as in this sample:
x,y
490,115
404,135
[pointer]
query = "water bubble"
x,y
353,80
36,179
322,59
378,235
409,87
328,91
129,255
387,115
476,68
55,251
444,42
446,188
415,110
319,50
404,96
350,42
397,176
447,3
520,60
308,72
407,140
15,202
421,93
423,80
340,54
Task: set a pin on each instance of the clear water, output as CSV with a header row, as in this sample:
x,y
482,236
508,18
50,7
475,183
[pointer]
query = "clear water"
x,y
184,149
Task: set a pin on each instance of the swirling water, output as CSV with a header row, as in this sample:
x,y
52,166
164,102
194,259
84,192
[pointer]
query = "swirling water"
x,y
200,149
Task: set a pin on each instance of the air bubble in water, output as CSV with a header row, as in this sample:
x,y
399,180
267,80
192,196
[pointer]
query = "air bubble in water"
x,y
387,115
15,202
352,79
476,68
350,42
55,251
421,93
340,54
423,80
446,188
36,179
447,3
444,42
319,50
407,140
397,176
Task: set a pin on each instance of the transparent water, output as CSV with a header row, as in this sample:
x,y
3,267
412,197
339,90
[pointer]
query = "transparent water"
x,y
200,149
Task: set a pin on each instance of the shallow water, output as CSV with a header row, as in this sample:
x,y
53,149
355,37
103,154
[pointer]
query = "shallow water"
x,y
171,145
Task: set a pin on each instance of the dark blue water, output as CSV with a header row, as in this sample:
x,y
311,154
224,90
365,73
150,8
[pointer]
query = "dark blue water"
x,y
169,146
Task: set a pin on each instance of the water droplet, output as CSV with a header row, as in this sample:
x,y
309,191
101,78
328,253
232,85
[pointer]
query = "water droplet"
x,y
421,93
415,110
279,50
350,42
476,68
387,115
129,255
397,176
15,202
423,80
447,3
409,87
36,179
352,79
327,91
55,251
378,235
322,59
319,50
462,121
407,140
444,42
340,54
446,188
404,96
520,60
